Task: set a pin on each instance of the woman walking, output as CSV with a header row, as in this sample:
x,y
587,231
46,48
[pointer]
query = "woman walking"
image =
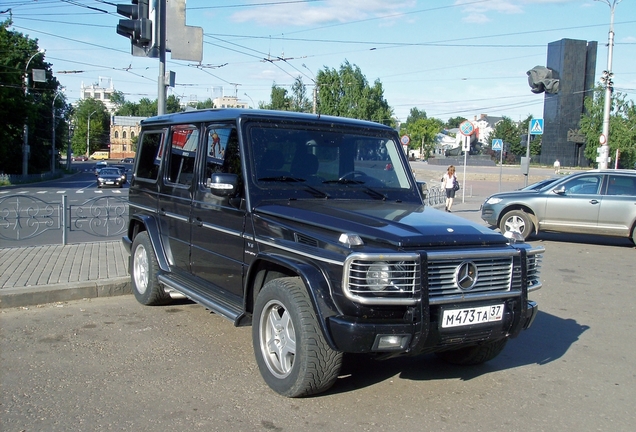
x,y
448,183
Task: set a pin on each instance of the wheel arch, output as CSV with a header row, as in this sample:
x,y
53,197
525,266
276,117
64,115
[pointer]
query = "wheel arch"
x,y
267,267
139,223
524,208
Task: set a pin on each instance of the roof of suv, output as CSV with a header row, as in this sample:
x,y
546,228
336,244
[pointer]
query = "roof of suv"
x,y
234,113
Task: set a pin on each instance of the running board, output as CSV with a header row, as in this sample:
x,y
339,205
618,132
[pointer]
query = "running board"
x,y
219,302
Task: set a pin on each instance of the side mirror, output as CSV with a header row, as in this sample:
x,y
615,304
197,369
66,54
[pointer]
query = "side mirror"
x,y
423,188
559,191
223,184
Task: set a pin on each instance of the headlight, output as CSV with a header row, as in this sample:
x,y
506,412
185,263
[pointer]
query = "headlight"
x,y
378,276
493,200
100,179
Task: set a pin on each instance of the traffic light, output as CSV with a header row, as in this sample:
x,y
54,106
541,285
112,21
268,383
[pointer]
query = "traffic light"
x,y
138,28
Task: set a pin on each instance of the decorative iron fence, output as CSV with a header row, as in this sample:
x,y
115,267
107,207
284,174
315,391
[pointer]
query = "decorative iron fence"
x,y
24,217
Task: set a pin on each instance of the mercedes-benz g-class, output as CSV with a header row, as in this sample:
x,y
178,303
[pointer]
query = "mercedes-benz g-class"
x,y
313,230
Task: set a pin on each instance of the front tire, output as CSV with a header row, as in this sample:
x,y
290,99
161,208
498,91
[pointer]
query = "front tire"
x,y
291,351
517,220
143,273
474,355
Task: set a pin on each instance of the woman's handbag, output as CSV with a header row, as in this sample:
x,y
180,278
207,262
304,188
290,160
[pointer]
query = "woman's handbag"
x,y
455,185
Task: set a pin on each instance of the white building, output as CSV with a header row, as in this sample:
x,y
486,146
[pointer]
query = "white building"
x,y
484,126
102,91
229,102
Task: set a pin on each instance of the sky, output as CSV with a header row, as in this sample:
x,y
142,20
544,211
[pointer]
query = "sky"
x,y
446,57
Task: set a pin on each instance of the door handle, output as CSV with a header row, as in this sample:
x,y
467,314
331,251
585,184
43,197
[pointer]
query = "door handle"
x,y
199,221
594,201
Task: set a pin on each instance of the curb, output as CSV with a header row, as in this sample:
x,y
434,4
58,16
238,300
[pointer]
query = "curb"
x,y
32,296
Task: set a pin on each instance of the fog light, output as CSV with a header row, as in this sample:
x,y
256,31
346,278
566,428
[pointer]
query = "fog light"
x,y
391,342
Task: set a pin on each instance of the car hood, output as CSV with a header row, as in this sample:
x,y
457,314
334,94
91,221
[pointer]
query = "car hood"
x,y
514,194
402,225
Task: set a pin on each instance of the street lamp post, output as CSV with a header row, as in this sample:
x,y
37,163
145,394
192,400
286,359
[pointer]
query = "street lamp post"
x,y
315,104
88,134
607,80
25,140
53,131
253,106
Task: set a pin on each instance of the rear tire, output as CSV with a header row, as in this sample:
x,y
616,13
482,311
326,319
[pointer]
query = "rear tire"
x,y
291,351
517,220
143,273
474,355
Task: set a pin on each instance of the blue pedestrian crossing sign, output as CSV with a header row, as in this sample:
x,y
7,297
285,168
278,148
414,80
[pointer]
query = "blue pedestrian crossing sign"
x,y
497,144
536,127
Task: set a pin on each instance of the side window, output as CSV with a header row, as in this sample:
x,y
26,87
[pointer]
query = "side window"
x,y
222,152
149,155
621,185
183,151
585,185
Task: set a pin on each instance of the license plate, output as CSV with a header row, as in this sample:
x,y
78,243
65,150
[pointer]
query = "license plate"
x,y
110,182
469,316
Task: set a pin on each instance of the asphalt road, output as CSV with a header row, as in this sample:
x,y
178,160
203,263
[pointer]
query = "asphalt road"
x,y
112,364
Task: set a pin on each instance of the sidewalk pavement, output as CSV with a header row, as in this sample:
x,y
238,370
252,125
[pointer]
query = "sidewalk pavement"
x,y
37,275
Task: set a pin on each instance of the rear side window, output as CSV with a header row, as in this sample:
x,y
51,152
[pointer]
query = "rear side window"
x,y
149,155
621,185
184,140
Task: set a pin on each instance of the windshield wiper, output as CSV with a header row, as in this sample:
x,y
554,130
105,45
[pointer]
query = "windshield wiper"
x,y
283,179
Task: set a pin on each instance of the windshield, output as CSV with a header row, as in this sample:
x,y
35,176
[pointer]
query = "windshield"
x,y
301,162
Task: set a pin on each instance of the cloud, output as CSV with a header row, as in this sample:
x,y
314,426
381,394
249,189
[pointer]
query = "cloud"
x,y
327,12
477,11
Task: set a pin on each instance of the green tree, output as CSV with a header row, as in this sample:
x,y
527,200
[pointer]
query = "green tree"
x,y
454,122
347,93
519,149
298,100
622,126
205,104
415,114
508,131
33,107
173,105
99,126
279,100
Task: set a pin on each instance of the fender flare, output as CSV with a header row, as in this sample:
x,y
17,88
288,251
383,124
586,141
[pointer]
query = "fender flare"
x,y
314,279
152,228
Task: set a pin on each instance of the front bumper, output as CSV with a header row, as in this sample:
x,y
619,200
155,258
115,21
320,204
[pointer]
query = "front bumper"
x,y
489,215
354,335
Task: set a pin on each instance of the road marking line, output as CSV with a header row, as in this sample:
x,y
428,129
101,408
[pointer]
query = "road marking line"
x,y
41,192
61,192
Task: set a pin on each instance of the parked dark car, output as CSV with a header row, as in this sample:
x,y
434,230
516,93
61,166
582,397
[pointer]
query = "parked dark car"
x,y
274,219
80,158
109,176
128,160
589,202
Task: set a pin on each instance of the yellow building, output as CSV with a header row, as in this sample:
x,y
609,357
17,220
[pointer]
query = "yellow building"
x,y
123,130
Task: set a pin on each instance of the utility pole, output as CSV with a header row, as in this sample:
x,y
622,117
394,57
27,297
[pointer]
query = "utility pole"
x,y
25,139
57,93
603,150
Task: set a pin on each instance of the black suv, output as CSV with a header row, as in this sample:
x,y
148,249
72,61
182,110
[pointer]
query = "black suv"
x,y
313,230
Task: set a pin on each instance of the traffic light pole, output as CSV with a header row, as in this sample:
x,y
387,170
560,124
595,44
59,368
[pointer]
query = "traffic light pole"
x,y
161,80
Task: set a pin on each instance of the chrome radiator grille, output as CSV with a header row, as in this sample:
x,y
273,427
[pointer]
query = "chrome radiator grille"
x,y
493,274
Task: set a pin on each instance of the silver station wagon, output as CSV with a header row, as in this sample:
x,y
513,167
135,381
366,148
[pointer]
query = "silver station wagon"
x,y
591,202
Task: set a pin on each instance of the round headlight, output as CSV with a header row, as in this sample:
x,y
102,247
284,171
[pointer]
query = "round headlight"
x,y
378,276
